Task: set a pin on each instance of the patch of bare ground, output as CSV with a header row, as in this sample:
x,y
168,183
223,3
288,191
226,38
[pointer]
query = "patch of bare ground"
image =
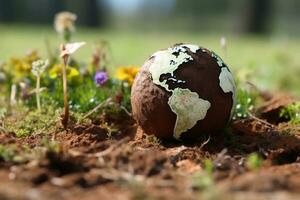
x,y
91,164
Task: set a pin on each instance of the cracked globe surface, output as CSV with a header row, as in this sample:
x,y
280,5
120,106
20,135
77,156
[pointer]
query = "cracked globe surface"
x,y
182,92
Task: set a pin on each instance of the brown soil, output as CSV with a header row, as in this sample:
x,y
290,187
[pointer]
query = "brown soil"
x,y
90,165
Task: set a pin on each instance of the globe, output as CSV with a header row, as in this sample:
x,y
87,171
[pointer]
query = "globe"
x,y
183,92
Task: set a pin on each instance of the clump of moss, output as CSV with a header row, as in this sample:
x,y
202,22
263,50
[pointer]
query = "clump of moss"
x,y
22,154
33,122
14,154
6,153
2,112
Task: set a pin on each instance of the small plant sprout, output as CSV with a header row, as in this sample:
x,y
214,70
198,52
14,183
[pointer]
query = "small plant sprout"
x,y
66,51
254,161
101,56
96,58
245,104
204,180
38,67
292,113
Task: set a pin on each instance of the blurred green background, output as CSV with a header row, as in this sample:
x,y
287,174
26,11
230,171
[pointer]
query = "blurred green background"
x,y
262,35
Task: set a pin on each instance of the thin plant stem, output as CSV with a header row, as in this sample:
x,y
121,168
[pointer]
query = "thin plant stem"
x,y
261,121
65,118
13,94
66,51
107,101
66,104
67,35
38,100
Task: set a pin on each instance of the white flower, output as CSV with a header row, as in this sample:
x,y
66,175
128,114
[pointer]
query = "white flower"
x,y
70,48
39,67
64,21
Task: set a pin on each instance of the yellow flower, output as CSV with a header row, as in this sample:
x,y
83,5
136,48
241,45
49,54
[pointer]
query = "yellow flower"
x,y
23,65
127,73
20,67
56,71
17,64
31,56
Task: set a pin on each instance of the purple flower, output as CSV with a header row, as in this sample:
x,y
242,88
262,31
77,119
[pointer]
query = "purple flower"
x,y
100,78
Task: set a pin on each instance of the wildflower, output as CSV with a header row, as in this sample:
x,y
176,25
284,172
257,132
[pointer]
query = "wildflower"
x,y
56,71
64,24
38,67
71,48
22,66
31,56
127,73
66,50
100,78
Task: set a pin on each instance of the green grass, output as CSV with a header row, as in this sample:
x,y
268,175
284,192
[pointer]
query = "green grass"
x,y
271,61
292,113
